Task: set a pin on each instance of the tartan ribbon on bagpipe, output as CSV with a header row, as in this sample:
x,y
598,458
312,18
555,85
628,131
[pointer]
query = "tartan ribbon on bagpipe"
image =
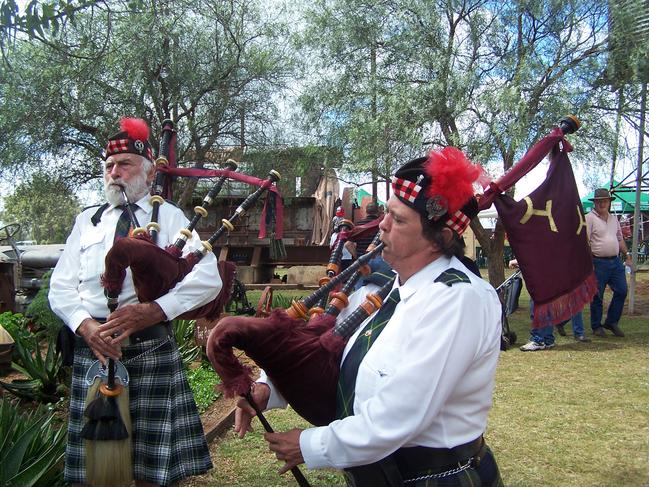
x,y
237,176
547,233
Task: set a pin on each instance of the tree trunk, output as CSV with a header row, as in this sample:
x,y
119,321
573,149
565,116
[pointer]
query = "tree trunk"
x,y
493,248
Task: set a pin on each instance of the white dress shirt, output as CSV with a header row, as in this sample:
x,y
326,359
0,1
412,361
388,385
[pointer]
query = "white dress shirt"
x,y
426,381
75,289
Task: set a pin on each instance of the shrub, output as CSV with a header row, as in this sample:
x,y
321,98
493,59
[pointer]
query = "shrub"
x,y
39,311
203,381
45,375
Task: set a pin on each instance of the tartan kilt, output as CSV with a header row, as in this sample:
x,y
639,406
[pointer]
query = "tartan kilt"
x,y
168,439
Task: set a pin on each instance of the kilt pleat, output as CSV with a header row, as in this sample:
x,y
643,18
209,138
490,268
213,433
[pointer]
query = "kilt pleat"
x,y
168,439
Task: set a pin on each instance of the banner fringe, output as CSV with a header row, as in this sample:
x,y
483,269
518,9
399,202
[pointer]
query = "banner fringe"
x,y
565,306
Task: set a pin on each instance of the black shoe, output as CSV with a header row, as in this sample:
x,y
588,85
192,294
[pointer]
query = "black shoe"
x,y
615,329
599,332
581,338
561,330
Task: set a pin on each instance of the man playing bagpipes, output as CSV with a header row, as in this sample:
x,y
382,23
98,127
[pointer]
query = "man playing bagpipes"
x,y
167,437
416,379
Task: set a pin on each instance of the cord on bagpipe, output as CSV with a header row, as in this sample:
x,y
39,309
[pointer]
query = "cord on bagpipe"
x,y
201,211
228,224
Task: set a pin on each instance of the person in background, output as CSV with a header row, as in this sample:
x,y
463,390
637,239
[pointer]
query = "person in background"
x,y
606,243
371,214
543,338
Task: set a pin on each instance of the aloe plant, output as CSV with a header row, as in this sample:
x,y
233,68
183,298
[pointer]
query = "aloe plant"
x,y
44,375
32,447
184,335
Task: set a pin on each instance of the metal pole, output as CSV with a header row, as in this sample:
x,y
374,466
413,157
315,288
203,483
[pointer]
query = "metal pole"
x,y
636,212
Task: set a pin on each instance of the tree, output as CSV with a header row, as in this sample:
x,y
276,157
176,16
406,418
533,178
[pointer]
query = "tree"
x,y
488,77
206,64
44,208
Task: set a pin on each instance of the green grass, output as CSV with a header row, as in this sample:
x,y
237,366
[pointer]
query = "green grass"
x,y
576,415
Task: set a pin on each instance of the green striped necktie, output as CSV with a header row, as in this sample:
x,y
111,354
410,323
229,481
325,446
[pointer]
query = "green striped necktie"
x,y
123,223
349,368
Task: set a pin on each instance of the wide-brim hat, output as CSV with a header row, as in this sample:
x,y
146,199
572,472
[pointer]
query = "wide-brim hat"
x,y
440,187
602,194
133,138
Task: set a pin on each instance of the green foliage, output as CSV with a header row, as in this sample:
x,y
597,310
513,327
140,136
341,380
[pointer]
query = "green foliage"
x,y
45,376
39,311
291,162
32,447
44,207
15,324
281,301
205,65
184,335
203,381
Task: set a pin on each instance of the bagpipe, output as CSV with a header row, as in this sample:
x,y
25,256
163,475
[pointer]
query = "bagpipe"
x,y
298,349
155,270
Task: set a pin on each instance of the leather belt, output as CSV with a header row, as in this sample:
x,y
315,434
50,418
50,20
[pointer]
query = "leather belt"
x,y
607,258
418,458
159,330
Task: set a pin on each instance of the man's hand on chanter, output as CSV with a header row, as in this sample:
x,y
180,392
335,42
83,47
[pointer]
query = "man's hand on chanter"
x,y
103,348
244,412
130,319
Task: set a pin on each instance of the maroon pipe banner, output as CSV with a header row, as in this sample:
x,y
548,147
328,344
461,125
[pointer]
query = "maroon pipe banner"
x,y
547,233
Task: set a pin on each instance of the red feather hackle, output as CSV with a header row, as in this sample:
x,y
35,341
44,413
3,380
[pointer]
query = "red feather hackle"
x,y
136,128
452,176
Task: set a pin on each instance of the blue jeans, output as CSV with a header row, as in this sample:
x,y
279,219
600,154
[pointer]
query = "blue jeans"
x,y
545,334
611,272
577,324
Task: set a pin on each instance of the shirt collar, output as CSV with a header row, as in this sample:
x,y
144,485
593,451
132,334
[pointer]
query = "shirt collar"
x,y
600,215
422,278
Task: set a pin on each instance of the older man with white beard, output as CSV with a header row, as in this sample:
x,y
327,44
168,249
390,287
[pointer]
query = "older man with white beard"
x,y
168,439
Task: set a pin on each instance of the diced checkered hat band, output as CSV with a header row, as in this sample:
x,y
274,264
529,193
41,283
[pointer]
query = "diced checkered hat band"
x,y
404,189
121,144
458,222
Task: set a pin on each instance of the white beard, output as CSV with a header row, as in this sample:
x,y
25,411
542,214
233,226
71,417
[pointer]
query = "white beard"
x,y
135,189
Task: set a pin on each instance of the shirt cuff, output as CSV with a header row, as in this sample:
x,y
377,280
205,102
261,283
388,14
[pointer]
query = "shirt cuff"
x,y
312,447
275,400
170,306
76,319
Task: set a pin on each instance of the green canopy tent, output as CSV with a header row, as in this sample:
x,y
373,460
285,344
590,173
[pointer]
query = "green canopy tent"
x,y
361,195
624,201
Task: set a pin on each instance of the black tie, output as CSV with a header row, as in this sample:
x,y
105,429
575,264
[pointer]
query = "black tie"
x,y
349,369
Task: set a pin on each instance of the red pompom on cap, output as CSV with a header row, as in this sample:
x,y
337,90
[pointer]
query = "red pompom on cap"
x,y
452,176
136,128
